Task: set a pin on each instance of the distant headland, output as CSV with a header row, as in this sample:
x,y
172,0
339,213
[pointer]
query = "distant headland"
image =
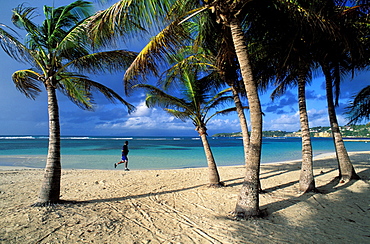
x,y
348,131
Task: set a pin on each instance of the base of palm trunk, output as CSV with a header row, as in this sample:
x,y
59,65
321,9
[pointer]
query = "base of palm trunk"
x,y
248,214
307,187
348,178
216,185
51,203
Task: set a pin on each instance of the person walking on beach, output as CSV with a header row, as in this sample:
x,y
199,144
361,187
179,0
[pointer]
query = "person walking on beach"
x,y
124,156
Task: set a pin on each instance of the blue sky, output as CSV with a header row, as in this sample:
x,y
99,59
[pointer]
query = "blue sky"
x,y
22,116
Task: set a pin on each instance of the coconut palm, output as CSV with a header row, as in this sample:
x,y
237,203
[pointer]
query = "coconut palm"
x,y
174,33
283,59
339,54
359,108
58,52
216,38
192,99
170,17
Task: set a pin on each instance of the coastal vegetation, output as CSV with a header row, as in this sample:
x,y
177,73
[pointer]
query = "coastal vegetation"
x,y
356,131
188,93
59,54
250,47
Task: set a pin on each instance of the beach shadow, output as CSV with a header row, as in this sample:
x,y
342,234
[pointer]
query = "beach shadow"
x,y
115,199
330,187
319,218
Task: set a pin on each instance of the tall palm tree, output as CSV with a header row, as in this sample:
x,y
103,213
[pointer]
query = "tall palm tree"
x,y
172,16
340,53
284,59
228,13
346,170
217,39
57,51
192,99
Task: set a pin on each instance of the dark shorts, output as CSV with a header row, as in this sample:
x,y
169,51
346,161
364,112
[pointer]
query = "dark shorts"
x,y
124,158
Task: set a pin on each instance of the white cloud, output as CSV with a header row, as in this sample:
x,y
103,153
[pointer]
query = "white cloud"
x,y
284,122
142,110
148,119
292,123
224,124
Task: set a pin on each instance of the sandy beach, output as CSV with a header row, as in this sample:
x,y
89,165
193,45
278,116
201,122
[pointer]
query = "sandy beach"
x,y
175,206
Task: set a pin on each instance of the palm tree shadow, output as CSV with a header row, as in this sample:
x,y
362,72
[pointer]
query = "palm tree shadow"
x,y
115,199
332,186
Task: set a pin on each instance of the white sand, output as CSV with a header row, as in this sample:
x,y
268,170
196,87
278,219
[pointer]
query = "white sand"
x,y
175,206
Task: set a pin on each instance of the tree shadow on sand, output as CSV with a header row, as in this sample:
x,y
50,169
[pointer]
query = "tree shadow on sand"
x,y
337,213
114,199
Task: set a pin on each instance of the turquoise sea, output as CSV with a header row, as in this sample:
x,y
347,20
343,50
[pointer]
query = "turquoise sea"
x,y
153,152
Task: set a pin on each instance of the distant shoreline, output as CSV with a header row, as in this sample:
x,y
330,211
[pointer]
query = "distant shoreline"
x,y
359,139
315,157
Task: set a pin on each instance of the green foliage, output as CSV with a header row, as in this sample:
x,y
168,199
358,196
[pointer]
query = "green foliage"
x,y
359,108
185,94
57,50
347,131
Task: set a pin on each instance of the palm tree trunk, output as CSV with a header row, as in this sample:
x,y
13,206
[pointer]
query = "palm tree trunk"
x,y
248,202
306,179
243,122
214,177
346,170
50,189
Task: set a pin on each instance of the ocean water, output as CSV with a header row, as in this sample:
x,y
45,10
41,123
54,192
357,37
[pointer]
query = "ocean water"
x,y
153,152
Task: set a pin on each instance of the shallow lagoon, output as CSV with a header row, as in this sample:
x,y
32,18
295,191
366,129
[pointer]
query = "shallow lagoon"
x,y
154,152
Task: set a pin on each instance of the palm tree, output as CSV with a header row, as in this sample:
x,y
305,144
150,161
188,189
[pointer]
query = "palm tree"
x,y
167,41
338,54
283,59
193,99
216,38
171,17
57,51
346,170
359,108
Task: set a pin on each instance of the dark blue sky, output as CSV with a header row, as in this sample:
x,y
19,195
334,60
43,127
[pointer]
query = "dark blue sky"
x,y
22,116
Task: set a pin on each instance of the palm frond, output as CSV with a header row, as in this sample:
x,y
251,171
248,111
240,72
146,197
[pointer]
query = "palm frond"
x,y
74,44
79,89
27,82
157,97
126,19
22,17
12,46
217,102
359,108
184,116
112,61
156,52
222,112
60,20
199,61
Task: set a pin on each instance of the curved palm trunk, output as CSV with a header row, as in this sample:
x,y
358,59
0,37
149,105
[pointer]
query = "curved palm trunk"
x,y
243,122
248,202
50,189
346,170
306,179
214,177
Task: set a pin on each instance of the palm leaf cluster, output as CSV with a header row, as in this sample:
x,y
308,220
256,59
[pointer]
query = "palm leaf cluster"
x,y
253,45
187,90
58,51
199,48
359,109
